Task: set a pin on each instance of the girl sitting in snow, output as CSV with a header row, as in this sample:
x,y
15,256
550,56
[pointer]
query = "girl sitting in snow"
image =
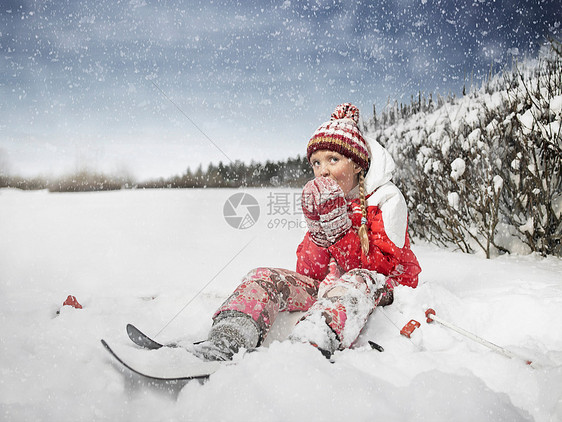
x,y
355,252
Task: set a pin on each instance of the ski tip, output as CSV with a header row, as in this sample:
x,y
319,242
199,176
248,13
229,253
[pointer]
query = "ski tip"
x,y
107,348
134,331
141,339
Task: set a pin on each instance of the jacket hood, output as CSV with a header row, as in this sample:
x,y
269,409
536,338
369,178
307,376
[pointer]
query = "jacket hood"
x,y
385,194
382,165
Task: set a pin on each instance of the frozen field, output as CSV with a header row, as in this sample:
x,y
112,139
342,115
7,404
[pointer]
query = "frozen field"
x,y
142,256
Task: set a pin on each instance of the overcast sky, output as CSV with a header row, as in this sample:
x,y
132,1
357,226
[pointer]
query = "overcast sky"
x,y
152,87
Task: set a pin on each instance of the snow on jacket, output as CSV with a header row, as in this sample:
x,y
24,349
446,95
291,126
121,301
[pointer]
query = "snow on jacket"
x,y
387,220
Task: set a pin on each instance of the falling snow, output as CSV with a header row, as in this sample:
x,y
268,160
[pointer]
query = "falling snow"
x,y
81,80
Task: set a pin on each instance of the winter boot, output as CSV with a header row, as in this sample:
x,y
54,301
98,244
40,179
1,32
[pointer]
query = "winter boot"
x,y
315,331
228,335
387,296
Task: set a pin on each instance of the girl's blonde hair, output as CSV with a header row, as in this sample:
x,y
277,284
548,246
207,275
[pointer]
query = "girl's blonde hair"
x,y
363,230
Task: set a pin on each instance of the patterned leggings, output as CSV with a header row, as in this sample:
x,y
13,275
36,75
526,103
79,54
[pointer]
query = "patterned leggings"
x,y
344,302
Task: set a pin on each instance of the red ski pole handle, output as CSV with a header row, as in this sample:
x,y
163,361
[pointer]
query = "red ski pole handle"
x,y
409,328
428,313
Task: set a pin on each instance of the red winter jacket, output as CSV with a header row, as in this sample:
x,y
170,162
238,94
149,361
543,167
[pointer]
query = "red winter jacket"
x,y
384,257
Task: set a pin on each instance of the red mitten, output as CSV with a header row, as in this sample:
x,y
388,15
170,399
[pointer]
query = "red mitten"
x,y
325,209
309,204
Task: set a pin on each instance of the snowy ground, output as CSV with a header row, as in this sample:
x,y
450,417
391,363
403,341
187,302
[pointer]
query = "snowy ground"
x,y
141,256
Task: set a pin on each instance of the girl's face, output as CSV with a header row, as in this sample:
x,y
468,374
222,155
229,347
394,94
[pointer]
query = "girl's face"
x,y
338,167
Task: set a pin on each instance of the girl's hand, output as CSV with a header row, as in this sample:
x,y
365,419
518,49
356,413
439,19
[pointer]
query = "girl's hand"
x,y
325,210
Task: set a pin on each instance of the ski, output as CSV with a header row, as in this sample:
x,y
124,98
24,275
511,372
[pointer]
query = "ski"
x,y
142,340
146,342
193,371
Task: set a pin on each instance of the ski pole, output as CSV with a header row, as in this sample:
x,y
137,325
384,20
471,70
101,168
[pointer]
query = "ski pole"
x,y
430,315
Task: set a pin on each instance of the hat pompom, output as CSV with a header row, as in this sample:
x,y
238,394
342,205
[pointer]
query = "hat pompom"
x,y
346,111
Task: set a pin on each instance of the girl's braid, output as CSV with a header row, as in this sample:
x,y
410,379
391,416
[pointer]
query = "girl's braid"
x,y
363,231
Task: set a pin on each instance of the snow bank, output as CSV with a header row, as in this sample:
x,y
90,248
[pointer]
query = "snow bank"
x,y
142,256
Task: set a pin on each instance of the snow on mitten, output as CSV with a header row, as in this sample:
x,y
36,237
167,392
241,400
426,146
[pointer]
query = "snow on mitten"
x,y
324,204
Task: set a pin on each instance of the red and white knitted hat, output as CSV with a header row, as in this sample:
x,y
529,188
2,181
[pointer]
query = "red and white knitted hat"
x,y
341,134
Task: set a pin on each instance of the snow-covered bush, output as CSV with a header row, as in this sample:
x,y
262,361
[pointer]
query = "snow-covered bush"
x,y
484,171
532,168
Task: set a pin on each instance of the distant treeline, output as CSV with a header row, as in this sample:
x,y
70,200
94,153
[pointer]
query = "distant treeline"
x,y
81,181
292,172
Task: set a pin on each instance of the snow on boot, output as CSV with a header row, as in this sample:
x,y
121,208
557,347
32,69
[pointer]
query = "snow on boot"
x,y
314,330
227,337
